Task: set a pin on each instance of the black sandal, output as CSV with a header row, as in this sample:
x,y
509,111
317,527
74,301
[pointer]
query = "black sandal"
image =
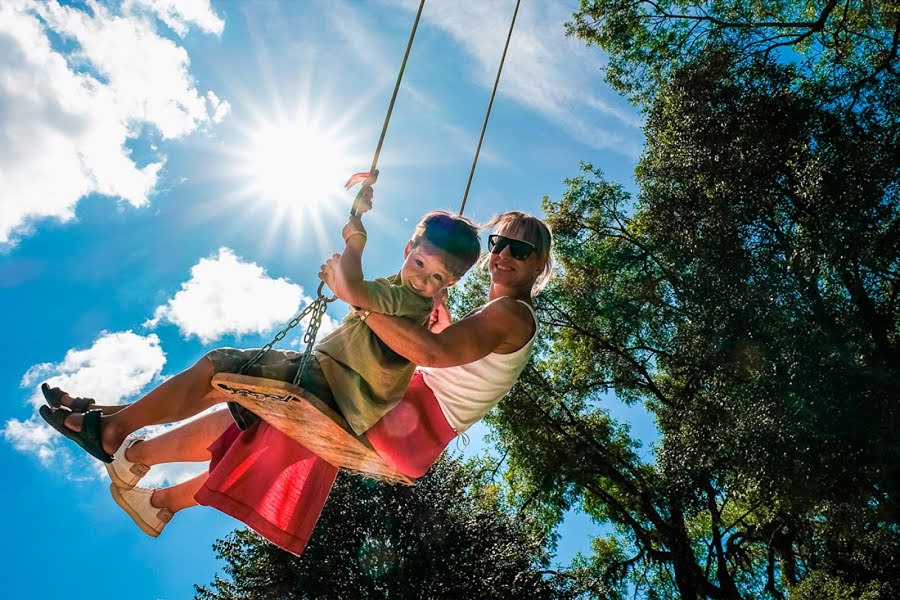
x,y
89,436
53,396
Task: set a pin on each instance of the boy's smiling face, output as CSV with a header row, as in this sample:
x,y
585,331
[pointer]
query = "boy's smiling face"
x,y
424,270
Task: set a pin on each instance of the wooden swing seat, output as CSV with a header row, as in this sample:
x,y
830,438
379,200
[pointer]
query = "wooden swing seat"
x,y
301,416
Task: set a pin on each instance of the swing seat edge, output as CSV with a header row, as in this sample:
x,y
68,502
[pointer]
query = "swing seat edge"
x,y
304,418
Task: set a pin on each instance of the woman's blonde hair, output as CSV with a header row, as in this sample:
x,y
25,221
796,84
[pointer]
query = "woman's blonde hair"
x,y
531,229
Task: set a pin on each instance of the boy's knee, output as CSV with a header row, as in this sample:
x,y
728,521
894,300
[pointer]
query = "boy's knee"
x,y
204,367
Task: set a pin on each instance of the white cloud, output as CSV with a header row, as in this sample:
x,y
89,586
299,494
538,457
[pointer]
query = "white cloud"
x,y
170,474
114,369
228,296
178,15
67,110
218,108
117,366
556,76
31,436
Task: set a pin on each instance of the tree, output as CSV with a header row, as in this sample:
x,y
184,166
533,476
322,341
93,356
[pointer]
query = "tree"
x,y
446,537
846,49
748,298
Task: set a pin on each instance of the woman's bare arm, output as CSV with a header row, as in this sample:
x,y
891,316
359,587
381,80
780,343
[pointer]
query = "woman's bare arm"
x,y
497,326
503,325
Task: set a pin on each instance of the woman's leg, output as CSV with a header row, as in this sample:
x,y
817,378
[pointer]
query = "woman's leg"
x,y
178,497
187,443
183,396
152,509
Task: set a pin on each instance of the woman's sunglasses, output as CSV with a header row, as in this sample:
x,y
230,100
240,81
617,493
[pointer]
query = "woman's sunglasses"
x,y
518,249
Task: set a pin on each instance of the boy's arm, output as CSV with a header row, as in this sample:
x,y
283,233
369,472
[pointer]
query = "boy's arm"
x,y
348,281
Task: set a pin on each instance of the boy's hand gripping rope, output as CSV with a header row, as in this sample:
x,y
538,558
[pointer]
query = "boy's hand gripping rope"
x,y
316,309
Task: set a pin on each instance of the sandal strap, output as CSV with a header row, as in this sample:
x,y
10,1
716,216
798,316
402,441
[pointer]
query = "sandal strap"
x,y
90,428
54,399
91,424
51,395
81,404
89,436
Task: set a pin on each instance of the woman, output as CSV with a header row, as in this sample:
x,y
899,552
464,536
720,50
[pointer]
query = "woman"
x,y
276,486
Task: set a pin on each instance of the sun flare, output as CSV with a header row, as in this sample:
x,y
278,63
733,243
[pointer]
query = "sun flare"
x,y
296,164
286,169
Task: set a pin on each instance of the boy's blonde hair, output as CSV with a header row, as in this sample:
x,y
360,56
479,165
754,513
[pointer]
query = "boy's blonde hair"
x,y
454,235
531,229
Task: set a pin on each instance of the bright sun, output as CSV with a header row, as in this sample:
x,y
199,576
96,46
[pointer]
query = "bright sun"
x,y
296,164
287,170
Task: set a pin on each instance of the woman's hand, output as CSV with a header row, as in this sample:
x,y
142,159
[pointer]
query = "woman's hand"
x,y
439,319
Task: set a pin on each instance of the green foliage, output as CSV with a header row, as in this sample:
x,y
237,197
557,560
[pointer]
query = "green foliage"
x,y
845,48
820,586
442,538
748,298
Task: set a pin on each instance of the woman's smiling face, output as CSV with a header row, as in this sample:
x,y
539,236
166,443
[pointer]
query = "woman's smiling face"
x,y
510,272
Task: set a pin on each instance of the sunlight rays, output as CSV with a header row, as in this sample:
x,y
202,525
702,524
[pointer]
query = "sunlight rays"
x,y
288,167
295,134
287,161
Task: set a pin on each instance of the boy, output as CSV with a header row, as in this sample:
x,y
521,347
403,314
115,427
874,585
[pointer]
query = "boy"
x,y
353,370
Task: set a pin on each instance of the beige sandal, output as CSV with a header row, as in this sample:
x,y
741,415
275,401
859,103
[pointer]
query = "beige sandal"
x,y
136,502
124,473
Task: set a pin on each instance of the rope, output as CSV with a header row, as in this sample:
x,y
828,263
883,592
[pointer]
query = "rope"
x,y
316,310
490,104
387,117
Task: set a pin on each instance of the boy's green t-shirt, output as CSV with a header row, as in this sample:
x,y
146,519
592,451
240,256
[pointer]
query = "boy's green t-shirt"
x,y
366,377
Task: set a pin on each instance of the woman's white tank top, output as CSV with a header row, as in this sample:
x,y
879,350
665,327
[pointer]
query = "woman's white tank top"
x,y
467,392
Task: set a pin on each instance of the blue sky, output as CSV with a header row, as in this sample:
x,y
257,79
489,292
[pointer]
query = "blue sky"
x,y
170,180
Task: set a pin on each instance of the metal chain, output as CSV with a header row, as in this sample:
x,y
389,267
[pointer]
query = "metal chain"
x,y
316,310
312,330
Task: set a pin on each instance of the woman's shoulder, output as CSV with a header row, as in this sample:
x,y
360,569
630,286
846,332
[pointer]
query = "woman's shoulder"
x,y
517,319
510,305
